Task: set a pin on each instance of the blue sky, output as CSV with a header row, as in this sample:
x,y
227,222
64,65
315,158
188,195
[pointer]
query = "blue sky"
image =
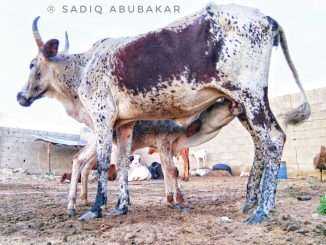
x,y
304,23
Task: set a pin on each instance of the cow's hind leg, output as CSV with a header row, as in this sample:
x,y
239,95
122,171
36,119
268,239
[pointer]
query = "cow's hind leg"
x,y
257,168
84,178
174,195
124,140
269,140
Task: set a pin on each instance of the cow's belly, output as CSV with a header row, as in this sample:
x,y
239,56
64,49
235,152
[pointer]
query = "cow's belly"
x,y
167,105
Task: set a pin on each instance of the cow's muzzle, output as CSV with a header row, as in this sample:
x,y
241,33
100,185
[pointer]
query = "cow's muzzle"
x,y
24,101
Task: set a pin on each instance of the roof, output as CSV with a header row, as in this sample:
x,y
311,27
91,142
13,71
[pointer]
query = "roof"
x,y
60,141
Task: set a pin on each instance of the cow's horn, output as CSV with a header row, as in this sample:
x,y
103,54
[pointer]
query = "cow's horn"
x,y
36,33
66,49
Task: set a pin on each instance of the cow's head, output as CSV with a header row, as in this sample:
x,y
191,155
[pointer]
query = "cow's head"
x,y
41,68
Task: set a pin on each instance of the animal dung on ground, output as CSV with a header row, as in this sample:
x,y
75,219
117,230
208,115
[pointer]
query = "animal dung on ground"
x,y
304,198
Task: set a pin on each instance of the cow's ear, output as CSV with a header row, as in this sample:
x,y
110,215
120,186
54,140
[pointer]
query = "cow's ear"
x,y
50,48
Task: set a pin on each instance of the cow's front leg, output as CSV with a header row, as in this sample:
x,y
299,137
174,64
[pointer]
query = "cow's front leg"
x,y
75,171
124,141
104,134
90,164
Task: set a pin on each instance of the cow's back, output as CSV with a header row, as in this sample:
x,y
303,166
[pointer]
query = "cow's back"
x,y
187,52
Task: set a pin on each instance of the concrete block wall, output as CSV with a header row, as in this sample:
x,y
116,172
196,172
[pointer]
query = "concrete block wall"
x,y
19,150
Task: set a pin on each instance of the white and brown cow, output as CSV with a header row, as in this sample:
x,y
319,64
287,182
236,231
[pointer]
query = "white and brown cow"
x,y
168,138
172,73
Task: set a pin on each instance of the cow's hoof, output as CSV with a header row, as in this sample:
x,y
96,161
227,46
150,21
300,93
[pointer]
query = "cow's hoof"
x,y
84,203
257,217
185,178
72,212
117,211
248,206
89,215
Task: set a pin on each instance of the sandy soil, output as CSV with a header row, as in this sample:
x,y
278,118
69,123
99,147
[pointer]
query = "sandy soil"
x,y
33,211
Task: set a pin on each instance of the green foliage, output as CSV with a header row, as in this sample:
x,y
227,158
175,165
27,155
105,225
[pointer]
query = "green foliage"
x,y
322,207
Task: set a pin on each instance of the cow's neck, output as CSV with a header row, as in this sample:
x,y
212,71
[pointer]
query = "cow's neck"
x,y
64,88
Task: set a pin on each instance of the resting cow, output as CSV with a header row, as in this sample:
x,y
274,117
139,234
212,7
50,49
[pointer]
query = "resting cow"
x,y
138,171
175,72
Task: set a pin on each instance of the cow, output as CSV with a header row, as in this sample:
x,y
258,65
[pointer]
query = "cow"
x,y
168,138
138,171
175,72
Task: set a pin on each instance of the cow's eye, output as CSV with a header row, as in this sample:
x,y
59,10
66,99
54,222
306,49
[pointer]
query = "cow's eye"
x,y
31,66
36,88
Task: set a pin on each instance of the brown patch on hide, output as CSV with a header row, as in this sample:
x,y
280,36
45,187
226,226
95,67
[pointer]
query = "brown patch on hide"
x,y
112,172
193,128
163,55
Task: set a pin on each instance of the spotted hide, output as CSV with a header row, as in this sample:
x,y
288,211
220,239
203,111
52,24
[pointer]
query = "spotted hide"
x,y
175,72
168,138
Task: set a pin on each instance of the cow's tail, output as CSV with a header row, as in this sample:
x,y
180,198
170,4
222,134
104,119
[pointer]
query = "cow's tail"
x,y
303,111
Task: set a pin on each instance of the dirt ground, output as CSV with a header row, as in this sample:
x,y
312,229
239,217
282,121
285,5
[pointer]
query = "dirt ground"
x,y
33,211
